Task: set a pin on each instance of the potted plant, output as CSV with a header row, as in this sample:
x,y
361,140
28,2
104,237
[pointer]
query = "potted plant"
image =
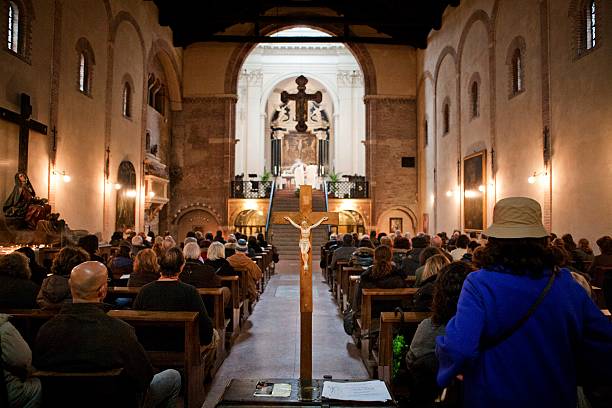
x,y
333,179
265,179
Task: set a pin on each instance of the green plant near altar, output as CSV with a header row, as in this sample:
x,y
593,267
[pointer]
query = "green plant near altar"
x,y
333,179
266,176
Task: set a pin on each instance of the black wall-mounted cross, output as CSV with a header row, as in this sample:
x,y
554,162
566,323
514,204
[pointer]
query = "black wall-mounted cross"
x,y
301,99
25,124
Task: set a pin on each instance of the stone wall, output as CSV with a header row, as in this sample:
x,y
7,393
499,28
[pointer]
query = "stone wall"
x,y
202,164
391,135
562,97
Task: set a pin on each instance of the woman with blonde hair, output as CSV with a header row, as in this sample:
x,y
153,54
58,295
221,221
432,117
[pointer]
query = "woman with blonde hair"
x,y
423,298
146,268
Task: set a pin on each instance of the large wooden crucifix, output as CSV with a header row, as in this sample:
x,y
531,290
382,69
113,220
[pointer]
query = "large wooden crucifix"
x,y
305,220
301,99
25,124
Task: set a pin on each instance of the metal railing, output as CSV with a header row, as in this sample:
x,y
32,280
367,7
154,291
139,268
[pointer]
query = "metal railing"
x,y
269,217
251,189
347,189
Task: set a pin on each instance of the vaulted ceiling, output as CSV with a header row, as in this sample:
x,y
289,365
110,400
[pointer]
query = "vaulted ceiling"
x,y
404,22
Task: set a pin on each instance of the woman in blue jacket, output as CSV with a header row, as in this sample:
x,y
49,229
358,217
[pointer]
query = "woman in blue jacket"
x,y
522,328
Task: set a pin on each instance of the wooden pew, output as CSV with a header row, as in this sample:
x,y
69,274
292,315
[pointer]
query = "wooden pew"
x,y
260,263
29,321
388,321
218,314
342,284
335,276
365,322
189,359
234,285
353,281
73,388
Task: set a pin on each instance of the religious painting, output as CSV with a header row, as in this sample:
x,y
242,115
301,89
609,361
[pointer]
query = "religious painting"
x,y
126,197
298,147
396,224
474,191
426,223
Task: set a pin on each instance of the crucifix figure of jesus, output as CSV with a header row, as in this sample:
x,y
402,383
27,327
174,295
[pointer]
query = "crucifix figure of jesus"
x,y
305,237
305,220
301,99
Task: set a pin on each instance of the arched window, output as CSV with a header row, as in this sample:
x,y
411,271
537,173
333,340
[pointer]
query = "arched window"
x,y
13,27
83,73
474,99
446,117
127,100
426,133
517,71
86,62
586,22
590,14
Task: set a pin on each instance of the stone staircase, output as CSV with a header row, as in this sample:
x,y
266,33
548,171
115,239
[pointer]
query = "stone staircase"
x,y
286,237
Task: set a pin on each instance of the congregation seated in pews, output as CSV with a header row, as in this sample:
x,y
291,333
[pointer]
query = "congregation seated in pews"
x,y
78,339
517,283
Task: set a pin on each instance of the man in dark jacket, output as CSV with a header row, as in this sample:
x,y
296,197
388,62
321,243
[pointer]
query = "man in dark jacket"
x,y
344,252
82,338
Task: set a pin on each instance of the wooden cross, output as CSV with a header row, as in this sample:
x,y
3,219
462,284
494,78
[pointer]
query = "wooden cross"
x,y
301,99
305,214
25,124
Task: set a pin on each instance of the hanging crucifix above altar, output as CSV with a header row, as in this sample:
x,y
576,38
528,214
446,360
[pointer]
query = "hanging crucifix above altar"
x,y
25,124
301,99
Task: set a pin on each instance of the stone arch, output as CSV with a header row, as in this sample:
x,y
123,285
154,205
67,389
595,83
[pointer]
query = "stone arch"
x,y
382,221
242,51
478,15
195,215
164,52
195,206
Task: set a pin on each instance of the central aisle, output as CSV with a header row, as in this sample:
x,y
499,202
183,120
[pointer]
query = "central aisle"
x,y
268,346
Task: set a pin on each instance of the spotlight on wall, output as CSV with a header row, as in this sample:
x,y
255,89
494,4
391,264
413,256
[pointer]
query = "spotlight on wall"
x,y
151,194
542,177
117,186
481,188
130,193
65,177
449,193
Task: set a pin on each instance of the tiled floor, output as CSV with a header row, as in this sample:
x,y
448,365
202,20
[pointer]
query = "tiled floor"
x,y
268,347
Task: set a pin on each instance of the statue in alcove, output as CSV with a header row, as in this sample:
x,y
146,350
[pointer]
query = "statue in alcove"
x,y
23,205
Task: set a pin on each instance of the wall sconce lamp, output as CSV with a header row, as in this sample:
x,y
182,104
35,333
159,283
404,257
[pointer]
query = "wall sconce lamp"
x,y
542,177
65,177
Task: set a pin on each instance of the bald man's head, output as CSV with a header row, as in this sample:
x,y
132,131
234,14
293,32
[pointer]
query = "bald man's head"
x,y
88,282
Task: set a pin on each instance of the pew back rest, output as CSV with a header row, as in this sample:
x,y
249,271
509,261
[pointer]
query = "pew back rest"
x,y
162,322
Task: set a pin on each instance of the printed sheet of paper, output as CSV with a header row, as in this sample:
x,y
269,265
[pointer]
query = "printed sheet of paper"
x,y
356,391
267,389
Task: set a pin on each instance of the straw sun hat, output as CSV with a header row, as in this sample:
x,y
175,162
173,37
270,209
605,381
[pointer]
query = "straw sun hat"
x,y
517,217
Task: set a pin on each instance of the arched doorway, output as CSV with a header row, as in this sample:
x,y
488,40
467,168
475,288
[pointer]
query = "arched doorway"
x,y
250,222
126,197
350,221
196,220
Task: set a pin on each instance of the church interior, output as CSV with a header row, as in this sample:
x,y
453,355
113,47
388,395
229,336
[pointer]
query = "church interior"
x,y
308,137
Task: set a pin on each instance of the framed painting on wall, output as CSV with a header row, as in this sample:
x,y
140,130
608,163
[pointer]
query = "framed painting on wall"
x,y
475,191
395,224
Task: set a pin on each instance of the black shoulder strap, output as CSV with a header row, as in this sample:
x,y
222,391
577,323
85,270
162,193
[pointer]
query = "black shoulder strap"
x,y
488,344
